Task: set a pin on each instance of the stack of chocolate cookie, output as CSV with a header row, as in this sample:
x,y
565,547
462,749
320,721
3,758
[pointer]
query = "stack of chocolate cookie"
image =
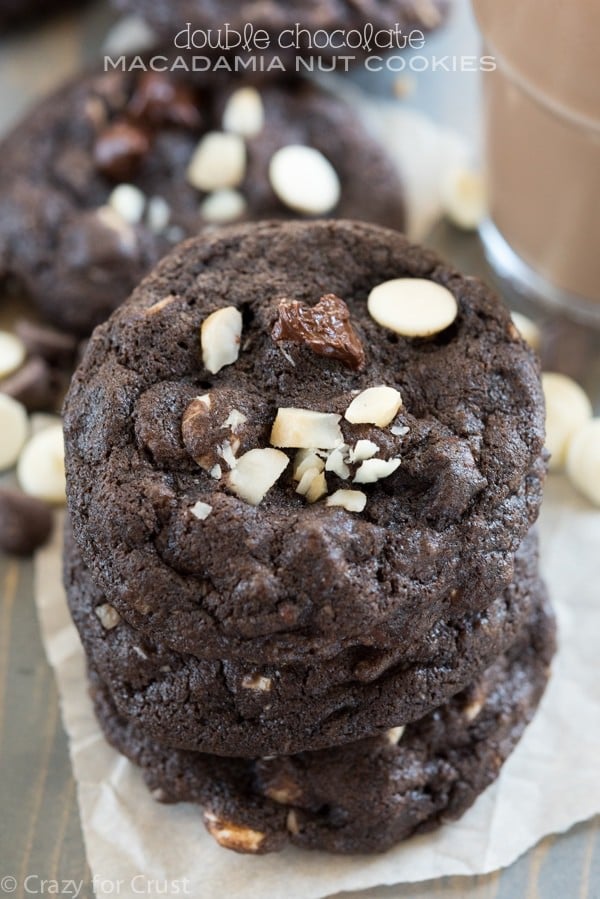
x,y
303,463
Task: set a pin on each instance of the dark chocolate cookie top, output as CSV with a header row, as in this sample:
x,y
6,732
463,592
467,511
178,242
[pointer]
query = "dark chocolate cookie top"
x,y
238,489
105,176
366,796
238,708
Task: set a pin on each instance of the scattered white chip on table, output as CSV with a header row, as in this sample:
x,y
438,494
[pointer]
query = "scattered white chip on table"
x,y
41,468
463,196
567,408
304,180
14,427
12,353
412,307
583,460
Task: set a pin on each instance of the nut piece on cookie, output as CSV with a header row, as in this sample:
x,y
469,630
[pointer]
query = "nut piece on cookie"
x,y
373,470
233,836
220,337
325,328
108,616
312,485
306,429
350,500
375,405
255,473
412,307
257,682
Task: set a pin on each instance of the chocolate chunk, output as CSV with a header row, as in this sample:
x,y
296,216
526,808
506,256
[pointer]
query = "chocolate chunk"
x,y
36,385
54,346
161,100
325,328
25,522
119,150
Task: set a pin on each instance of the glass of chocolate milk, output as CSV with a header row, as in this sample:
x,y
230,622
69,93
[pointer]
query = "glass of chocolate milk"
x,y
542,149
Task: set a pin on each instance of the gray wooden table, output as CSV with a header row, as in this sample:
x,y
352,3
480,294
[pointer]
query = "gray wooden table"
x,y
40,834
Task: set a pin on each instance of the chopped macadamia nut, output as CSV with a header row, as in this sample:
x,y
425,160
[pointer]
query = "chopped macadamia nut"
x,y
255,473
312,485
351,500
306,459
235,420
257,682
306,429
108,616
364,449
336,462
394,735
220,337
375,469
375,405
201,510
233,836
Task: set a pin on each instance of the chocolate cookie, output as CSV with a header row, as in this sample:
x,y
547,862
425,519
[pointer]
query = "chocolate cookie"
x,y
196,507
366,796
231,708
325,28
102,178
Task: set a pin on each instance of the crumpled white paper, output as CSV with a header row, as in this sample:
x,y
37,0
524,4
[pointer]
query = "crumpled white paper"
x,y
550,782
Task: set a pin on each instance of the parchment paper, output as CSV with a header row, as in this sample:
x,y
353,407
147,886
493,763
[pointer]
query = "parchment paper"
x,y
550,782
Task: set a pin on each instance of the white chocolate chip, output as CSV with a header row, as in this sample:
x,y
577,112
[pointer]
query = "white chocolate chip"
x,y
12,353
41,468
394,735
375,405
257,682
567,409
306,429
463,197
351,500
256,472
412,307
375,469
233,836
399,430
158,214
14,427
112,220
223,206
220,337
312,485
108,616
304,180
201,510
336,462
364,449
218,161
528,330
129,202
244,112
304,460
583,460
234,420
